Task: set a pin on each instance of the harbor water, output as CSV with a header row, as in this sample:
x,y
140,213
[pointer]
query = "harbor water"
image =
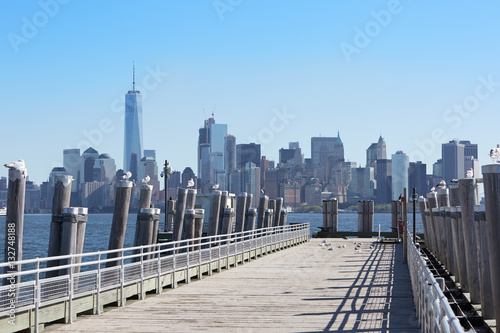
x,y
37,226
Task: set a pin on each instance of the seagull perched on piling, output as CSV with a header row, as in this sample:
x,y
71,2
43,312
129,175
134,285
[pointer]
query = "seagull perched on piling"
x,y
19,164
215,187
127,175
495,153
190,183
145,180
469,173
441,184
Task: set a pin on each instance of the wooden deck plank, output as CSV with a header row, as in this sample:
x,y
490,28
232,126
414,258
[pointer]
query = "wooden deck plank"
x,y
306,288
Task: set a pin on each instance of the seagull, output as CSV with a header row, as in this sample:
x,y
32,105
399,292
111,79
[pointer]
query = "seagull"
x,y
127,175
330,248
495,153
145,180
469,173
433,189
190,183
19,164
215,187
441,184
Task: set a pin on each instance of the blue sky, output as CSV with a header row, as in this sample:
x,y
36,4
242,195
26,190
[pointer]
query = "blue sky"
x,y
417,73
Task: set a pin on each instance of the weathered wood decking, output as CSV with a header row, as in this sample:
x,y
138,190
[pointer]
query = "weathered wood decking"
x,y
306,288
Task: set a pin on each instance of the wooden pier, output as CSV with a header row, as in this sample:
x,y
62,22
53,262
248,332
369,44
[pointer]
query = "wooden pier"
x,y
307,288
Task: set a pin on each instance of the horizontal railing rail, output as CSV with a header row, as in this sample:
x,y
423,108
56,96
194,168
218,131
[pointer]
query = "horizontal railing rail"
x,y
433,309
94,273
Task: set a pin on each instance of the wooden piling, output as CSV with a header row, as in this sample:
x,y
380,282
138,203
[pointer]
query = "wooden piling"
x,y
329,215
361,206
491,179
431,204
268,214
171,215
198,224
120,216
369,209
261,211
241,208
61,200
179,214
271,205
191,198
14,222
334,210
467,201
251,218
487,306
189,224
81,226
394,215
464,282
277,212
283,215
227,221
249,201
145,196
68,237
213,219
223,205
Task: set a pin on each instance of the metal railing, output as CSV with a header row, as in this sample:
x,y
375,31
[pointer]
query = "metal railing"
x,y
433,310
94,273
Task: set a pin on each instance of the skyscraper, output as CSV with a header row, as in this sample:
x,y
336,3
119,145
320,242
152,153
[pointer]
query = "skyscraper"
x,y
400,165
133,130
247,152
453,160
376,151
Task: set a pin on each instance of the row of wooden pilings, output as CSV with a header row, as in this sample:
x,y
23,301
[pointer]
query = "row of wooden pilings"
x,y
467,240
68,224
331,215
226,215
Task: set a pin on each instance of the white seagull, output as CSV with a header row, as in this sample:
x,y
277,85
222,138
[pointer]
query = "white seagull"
x,y
469,173
190,183
495,153
145,180
19,164
215,187
127,175
441,184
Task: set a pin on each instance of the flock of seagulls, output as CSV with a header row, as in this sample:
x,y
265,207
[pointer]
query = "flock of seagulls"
x,y
357,246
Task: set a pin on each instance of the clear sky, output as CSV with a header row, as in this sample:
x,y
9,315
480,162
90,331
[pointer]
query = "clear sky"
x,y
419,73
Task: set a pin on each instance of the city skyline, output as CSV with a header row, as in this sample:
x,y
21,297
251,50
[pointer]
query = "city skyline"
x,y
274,72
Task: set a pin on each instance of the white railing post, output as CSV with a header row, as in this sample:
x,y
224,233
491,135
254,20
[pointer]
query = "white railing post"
x,y
70,302
210,256
159,270
38,293
142,272
188,277
122,278
98,296
174,268
199,260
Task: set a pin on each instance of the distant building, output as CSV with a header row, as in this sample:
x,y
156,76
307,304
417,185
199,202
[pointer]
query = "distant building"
x,y
247,152
417,175
383,176
72,165
453,154
376,151
252,181
87,165
148,167
400,165
188,174
133,131
362,184
104,169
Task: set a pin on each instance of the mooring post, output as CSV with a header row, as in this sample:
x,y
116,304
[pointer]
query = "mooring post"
x,y
261,211
487,306
227,221
251,219
213,219
171,215
283,215
68,237
144,230
394,215
335,215
450,256
191,198
422,205
432,204
443,201
241,207
369,211
325,215
271,205
179,214
119,223
277,212
14,221
405,225
467,201
144,202
491,179
268,213
189,224
61,200
198,225
361,216
329,215
81,225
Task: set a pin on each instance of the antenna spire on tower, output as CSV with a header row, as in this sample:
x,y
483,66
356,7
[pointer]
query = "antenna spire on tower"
x,y
133,75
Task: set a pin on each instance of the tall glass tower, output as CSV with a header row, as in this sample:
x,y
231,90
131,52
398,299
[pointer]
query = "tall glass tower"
x,y
133,130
